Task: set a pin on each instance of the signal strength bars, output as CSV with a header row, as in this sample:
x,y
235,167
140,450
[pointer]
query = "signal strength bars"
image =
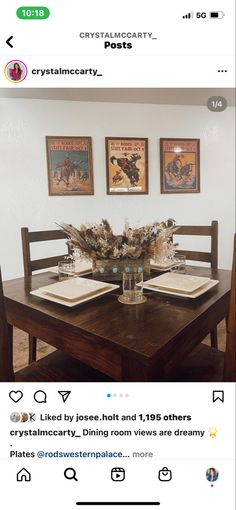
x,y
188,16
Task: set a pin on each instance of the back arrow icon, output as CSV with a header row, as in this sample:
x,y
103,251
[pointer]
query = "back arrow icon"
x,y
8,41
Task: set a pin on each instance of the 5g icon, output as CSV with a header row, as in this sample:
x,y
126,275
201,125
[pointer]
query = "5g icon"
x,y
201,14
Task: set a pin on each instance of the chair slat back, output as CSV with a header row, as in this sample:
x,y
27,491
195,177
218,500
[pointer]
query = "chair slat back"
x,y
230,353
39,236
203,230
6,369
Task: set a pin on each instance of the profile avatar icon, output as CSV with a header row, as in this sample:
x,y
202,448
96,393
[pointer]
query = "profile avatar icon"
x,y
15,417
15,71
24,417
212,474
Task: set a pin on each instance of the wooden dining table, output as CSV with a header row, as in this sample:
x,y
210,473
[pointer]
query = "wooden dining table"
x,y
142,342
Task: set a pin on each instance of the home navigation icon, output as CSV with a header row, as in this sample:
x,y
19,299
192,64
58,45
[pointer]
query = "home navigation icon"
x,y
118,474
23,476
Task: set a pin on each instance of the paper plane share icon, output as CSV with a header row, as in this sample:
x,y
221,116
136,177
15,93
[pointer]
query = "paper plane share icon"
x,y
64,395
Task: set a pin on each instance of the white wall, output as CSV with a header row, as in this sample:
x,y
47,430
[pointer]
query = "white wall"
x,y
24,199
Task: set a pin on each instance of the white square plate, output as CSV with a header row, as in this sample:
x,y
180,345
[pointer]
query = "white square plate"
x,y
74,291
161,267
192,295
178,282
74,288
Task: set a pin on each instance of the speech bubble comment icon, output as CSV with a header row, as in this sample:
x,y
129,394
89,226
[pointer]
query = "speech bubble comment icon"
x,y
40,397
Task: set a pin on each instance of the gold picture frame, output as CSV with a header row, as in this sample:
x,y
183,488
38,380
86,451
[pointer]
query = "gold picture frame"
x,y
69,164
180,165
127,166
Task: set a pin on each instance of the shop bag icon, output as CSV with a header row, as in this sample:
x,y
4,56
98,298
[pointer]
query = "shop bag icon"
x,y
165,475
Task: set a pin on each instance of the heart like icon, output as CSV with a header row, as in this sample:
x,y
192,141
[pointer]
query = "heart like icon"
x,y
16,395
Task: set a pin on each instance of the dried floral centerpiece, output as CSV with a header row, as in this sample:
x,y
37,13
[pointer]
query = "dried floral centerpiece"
x,y
114,254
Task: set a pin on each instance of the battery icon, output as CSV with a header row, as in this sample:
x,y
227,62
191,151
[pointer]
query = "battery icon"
x,y
217,14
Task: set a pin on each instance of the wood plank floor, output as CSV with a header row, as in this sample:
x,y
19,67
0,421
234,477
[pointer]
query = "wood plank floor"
x,y
20,351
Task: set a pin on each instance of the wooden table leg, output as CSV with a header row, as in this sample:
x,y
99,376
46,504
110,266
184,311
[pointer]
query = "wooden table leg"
x,y
32,349
9,368
214,340
10,341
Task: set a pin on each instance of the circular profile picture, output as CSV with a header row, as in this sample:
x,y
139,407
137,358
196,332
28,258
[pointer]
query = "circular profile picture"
x,y
212,474
15,417
24,417
15,71
32,417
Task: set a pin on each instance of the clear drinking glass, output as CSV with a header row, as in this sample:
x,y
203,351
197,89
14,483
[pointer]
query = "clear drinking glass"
x,y
78,259
133,286
66,268
179,264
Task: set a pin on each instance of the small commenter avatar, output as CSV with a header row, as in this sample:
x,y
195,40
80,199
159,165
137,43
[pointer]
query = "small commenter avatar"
x,y
212,432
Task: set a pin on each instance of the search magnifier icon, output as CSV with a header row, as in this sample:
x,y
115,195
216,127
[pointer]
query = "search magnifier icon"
x,y
70,474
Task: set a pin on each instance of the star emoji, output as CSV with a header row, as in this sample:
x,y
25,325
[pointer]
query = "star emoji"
x,y
212,432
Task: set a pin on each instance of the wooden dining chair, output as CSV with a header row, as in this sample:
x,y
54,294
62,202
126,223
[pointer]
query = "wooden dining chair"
x,y
211,256
37,237
210,231
56,367
206,364
36,264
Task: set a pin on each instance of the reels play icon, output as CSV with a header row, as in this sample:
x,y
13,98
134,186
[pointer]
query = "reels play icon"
x,y
118,474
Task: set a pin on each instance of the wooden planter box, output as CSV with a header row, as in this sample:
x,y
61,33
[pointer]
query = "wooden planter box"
x,y
112,270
